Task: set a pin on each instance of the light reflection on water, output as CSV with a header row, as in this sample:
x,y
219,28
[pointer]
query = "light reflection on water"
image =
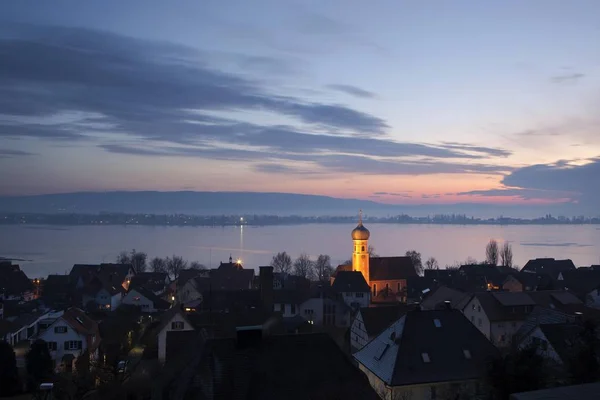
x,y
56,250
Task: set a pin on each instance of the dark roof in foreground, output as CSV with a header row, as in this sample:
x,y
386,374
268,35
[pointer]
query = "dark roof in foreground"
x,y
303,366
428,346
350,281
376,319
578,392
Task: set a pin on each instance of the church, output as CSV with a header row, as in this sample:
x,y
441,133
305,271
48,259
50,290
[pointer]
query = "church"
x,y
386,276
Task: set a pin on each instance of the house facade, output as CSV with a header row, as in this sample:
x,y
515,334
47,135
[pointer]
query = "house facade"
x,y
174,320
353,289
146,300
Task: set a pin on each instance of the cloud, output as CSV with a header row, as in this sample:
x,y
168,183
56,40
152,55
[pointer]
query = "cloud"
x,y
568,78
490,151
274,168
403,194
8,153
353,91
526,194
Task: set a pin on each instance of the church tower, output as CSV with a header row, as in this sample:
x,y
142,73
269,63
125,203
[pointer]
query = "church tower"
x,y
360,252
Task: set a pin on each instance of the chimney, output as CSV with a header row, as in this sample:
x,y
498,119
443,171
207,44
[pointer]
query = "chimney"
x,y
266,287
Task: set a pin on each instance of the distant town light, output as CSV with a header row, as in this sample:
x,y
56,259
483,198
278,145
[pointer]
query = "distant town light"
x,y
241,219
239,261
172,298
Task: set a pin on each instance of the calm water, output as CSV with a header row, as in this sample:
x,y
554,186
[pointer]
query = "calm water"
x,y
54,249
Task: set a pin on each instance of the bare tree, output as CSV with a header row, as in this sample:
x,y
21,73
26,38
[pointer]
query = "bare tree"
x,y
415,256
432,263
470,261
137,259
371,250
304,266
323,267
174,266
158,264
491,252
197,265
282,263
506,255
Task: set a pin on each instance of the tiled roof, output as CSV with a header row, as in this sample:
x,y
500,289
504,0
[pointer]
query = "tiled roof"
x,y
390,268
80,322
231,278
159,303
276,368
562,338
187,274
13,280
376,319
548,266
540,316
580,281
426,347
350,281
437,298
154,281
587,391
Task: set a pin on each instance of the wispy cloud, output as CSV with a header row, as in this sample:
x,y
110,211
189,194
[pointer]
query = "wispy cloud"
x,y
353,91
568,78
8,153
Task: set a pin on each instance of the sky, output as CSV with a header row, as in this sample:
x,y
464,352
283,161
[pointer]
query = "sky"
x,y
400,102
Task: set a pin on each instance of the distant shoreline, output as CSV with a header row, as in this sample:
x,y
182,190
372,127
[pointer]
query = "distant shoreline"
x,y
182,220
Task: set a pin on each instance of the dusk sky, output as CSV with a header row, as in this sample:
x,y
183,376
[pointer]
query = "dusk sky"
x,y
395,101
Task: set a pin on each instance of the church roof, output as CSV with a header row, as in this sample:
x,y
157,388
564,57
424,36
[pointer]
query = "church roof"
x,y
360,232
350,281
390,268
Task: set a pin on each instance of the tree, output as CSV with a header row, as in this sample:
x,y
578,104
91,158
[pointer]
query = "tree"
x,y
9,374
38,363
197,265
415,256
282,263
158,264
174,266
506,255
323,267
470,261
432,263
137,259
304,266
371,250
583,366
491,252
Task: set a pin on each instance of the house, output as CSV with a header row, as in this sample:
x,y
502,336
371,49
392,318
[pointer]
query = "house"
x,y
25,326
541,316
371,321
325,307
255,365
69,336
353,288
100,285
56,292
14,284
98,293
146,299
555,342
287,301
283,281
548,266
156,282
583,282
532,281
427,355
388,275
499,315
438,298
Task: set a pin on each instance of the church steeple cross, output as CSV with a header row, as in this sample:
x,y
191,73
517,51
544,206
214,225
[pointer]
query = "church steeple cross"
x,y
360,216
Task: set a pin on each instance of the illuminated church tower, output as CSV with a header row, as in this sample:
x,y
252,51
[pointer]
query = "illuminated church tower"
x,y
360,253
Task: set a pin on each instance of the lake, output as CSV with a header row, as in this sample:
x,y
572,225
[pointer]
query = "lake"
x,y
54,249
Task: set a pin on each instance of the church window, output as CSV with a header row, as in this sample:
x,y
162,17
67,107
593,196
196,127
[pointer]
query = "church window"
x,y
398,287
363,248
374,289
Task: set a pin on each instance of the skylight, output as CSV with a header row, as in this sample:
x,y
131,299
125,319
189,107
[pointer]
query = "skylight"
x,y
425,357
78,319
467,354
382,352
437,323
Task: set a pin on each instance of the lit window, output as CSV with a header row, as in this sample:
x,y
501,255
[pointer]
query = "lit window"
x,y
467,354
437,323
425,357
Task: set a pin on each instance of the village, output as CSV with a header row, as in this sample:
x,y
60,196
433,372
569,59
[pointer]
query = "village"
x,y
374,327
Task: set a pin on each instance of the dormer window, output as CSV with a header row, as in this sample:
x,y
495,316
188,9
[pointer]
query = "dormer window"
x,y
467,354
437,323
426,358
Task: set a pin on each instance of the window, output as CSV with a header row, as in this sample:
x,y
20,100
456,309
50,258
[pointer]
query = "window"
x,y
360,295
60,329
73,345
52,346
177,325
425,357
473,307
282,308
363,248
437,323
309,311
432,394
293,308
479,322
374,289
467,354
399,287
478,308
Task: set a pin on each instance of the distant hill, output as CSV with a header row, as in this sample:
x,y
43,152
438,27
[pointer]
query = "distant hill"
x,y
205,203
235,203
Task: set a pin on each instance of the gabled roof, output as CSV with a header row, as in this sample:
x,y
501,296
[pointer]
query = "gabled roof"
x,y
376,319
580,281
186,274
579,392
159,303
154,281
541,316
437,298
221,300
79,321
426,347
548,266
390,268
275,368
350,281
231,278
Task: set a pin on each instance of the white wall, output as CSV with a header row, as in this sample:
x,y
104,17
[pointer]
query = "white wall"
x,y
474,313
342,318
162,335
134,298
502,332
50,336
358,334
549,352
354,297
593,299
286,309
